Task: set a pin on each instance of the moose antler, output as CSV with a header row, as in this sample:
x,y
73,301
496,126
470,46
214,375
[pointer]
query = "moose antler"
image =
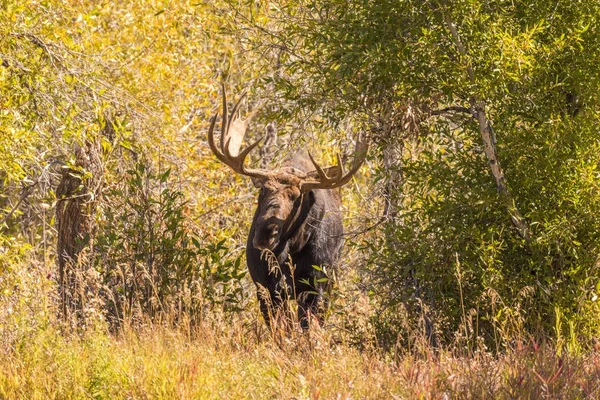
x,y
334,177
233,130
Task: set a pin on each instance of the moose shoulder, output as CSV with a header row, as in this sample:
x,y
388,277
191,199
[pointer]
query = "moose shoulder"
x,y
297,233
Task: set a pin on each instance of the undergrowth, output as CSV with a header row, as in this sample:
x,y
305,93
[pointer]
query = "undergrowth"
x,y
232,355
229,360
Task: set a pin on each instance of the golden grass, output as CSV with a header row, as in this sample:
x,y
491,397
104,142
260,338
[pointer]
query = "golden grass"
x,y
234,356
233,361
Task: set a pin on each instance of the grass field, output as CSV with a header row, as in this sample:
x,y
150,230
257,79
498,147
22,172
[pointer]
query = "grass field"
x,y
234,356
235,360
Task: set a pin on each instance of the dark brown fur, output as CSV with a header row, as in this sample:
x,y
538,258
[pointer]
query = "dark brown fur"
x,y
305,228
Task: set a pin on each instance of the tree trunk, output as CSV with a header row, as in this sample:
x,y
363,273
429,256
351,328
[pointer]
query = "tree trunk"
x,y
77,195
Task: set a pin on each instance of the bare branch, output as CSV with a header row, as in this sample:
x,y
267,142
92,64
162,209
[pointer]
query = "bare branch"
x,y
25,192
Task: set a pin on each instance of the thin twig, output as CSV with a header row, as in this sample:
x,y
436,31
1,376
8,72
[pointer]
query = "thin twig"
x,y
26,191
383,219
220,206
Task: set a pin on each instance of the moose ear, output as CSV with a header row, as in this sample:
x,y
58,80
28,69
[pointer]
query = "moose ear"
x,y
257,182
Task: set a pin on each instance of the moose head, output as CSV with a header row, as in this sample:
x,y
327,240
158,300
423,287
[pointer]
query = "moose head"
x,y
282,190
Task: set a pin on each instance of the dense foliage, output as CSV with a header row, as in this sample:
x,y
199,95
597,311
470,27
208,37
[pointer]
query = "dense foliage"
x,y
475,221
140,85
459,253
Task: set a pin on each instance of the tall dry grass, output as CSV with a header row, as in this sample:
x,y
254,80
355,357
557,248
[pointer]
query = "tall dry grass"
x,y
238,358
232,355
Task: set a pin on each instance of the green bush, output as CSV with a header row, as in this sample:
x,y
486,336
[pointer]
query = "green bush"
x,y
151,262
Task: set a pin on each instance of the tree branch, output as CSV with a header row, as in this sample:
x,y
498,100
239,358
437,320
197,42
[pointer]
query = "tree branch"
x,y
25,192
489,142
454,109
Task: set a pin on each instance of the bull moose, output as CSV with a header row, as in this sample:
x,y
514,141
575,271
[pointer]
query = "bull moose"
x,y
297,233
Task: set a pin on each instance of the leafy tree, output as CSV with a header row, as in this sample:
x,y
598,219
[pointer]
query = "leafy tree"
x,y
149,71
484,115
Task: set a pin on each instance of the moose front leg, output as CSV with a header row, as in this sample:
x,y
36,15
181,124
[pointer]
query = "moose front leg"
x,y
312,304
274,306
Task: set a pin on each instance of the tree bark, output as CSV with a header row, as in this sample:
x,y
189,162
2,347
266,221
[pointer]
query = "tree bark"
x,y
393,146
77,195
